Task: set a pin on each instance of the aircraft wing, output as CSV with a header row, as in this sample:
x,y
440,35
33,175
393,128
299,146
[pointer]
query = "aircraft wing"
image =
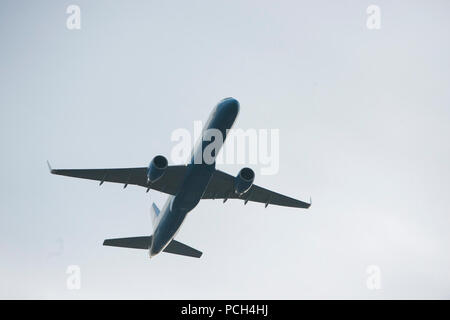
x,y
168,183
221,186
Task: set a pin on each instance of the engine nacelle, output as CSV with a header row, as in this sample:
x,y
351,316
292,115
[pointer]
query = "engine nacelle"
x,y
156,168
244,181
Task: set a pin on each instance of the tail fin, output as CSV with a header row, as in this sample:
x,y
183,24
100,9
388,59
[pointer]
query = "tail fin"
x,y
154,213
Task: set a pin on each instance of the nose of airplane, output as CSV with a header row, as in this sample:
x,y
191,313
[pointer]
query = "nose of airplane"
x,y
230,106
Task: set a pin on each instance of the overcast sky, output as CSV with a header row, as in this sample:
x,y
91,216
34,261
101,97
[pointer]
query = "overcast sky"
x,y
364,128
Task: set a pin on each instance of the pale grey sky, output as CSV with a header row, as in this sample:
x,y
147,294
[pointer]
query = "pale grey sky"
x,y
363,118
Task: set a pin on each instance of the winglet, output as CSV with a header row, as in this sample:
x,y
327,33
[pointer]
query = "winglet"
x,y
49,167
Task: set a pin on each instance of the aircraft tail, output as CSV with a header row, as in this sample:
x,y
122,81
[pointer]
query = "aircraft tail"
x,y
154,214
174,246
145,242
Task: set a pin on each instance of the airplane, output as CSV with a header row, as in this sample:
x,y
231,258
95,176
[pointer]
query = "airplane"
x,y
186,186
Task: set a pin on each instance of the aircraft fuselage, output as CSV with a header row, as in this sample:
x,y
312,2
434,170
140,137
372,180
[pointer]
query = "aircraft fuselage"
x,y
196,179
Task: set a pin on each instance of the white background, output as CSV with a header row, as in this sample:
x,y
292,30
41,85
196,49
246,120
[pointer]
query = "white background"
x,y
363,118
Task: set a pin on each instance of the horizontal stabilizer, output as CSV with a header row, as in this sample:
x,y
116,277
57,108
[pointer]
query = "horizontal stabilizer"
x,y
182,249
174,246
133,242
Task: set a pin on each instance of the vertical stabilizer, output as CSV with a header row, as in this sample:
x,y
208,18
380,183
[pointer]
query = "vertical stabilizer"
x,y
154,214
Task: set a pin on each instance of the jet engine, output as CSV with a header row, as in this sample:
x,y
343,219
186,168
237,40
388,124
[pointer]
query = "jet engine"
x,y
244,181
156,168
